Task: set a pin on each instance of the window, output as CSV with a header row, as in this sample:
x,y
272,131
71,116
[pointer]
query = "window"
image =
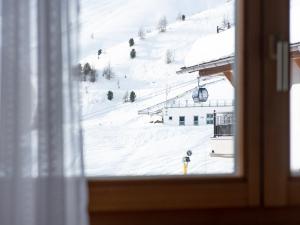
x,y
170,117
263,170
281,187
196,120
210,118
218,191
181,120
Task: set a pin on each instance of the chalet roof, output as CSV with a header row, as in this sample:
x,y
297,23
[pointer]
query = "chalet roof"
x,y
228,60
225,63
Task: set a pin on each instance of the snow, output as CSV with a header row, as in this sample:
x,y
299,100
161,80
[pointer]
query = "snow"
x,y
106,23
211,47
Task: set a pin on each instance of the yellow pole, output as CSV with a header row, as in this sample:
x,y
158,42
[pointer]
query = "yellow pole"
x,y
185,167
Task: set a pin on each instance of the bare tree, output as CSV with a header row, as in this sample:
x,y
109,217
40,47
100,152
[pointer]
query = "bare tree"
x,y
125,97
108,72
141,33
225,22
169,56
162,24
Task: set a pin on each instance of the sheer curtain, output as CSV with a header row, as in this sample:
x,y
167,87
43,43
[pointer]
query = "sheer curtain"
x,y
41,163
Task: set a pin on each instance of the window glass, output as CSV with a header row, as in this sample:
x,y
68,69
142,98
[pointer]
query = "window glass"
x,y
295,85
156,76
196,120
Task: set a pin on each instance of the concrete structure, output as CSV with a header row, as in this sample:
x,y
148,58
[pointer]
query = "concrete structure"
x,y
222,146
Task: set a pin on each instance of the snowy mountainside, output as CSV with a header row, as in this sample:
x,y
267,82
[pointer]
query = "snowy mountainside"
x,y
148,72
105,23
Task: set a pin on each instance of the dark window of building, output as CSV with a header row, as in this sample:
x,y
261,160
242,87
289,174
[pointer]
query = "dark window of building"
x,y
170,117
181,120
210,118
196,120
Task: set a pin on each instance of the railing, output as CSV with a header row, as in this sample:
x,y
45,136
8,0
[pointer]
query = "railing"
x,y
223,124
191,103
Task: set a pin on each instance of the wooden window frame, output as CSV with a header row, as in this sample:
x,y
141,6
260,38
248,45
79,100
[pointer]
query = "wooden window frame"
x,y
281,189
263,192
195,192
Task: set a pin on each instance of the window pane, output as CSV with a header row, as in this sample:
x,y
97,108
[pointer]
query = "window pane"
x,y
295,85
157,87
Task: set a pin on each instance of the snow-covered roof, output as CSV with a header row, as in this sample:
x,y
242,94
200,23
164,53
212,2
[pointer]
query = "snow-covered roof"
x,y
211,47
229,60
218,46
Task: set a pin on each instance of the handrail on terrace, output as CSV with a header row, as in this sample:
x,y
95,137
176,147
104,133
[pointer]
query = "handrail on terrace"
x,y
210,103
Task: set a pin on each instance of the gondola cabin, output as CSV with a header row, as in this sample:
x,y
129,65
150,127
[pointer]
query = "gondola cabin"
x,y
200,95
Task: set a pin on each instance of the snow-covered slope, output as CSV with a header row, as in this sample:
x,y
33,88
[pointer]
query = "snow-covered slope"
x,y
148,72
105,23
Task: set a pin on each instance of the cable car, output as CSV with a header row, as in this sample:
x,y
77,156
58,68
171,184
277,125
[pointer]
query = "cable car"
x,y
200,95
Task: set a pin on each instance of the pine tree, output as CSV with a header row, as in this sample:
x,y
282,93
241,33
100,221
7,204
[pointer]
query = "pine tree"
x,y
132,53
132,96
131,42
110,95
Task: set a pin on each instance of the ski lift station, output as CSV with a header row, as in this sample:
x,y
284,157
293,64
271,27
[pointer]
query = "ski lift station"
x,y
187,112
196,108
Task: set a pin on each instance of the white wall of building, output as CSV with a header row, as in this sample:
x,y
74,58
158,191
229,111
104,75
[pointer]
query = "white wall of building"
x,y
189,113
295,117
295,73
222,146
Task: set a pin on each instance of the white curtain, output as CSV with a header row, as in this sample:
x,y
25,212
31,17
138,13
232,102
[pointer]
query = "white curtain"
x,y
41,164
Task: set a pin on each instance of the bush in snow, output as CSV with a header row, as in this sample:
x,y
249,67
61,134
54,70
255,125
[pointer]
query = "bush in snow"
x,y
132,96
225,22
110,95
132,53
125,97
93,76
77,72
131,42
108,72
87,68
169,57
141,33
162,24
180,17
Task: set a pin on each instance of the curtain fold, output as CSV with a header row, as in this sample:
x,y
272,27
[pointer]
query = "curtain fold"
x,y
41,164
